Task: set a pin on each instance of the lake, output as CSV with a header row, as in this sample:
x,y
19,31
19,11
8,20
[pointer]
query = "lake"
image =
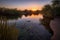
x,y
30,27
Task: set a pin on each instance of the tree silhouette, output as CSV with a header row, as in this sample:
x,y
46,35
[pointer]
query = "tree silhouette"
x,y
50,12
56,3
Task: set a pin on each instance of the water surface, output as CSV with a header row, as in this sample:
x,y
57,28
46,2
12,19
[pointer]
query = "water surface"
x,y
30,27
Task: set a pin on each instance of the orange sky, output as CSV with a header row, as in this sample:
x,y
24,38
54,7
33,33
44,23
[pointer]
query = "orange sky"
x,y
24,4
31,7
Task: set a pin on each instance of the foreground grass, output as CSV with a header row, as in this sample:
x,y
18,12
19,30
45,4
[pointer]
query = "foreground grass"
x,y
8,33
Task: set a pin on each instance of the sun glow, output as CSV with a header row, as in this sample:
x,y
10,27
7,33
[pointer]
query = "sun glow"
x,y
34,9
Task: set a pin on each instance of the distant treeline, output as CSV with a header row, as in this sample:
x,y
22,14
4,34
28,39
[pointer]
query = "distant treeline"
x,y
8,12
14,12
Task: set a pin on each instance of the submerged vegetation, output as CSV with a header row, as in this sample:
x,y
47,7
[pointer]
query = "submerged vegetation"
x,y
7,32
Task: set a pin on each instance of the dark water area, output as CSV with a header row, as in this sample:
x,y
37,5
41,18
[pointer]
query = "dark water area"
x,y
30,27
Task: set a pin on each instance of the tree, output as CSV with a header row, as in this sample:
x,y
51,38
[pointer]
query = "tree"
x,y
50,12
56,7
56,3
47,11
48,16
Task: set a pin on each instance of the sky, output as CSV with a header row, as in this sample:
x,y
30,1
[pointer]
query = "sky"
x,y
24,4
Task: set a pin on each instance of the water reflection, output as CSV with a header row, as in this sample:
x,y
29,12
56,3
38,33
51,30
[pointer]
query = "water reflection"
x,y
29,28
33,18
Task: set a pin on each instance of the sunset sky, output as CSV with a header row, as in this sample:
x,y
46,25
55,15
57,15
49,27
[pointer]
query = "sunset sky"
x,y
24,4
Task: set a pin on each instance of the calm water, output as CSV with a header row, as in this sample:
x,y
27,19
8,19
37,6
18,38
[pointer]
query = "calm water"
x,y
31,26
33,18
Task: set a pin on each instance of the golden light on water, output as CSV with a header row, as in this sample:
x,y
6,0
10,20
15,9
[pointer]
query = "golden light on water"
x,y
39,16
